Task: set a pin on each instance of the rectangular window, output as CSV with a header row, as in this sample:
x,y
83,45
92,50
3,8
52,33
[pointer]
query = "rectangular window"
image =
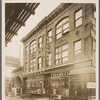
x,y
49,59
26,67
77,48
62,54
49,37
78,18
26,50
39,42
33,46
32,64
39,63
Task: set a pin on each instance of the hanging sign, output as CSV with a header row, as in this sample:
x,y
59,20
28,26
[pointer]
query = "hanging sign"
x,y
91,85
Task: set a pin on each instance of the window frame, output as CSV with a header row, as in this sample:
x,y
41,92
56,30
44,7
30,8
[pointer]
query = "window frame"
x,y
49,38
40,42
32,64
60,52
39,63
32,48
79,50
49,59
77,19
61,27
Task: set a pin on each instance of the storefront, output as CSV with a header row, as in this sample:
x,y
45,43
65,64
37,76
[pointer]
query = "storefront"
x,y
59,84
35,84
82,83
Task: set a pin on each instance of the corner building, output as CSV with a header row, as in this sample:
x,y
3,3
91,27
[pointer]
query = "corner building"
x,y
59,53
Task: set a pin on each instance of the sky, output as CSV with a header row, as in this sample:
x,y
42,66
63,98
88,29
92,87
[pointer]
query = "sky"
x,y
15,47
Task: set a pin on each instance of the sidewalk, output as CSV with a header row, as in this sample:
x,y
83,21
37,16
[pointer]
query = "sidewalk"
x,y
42,98
18,98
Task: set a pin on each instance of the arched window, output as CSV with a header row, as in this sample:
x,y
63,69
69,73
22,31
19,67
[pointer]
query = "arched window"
x,y
33,46
62,27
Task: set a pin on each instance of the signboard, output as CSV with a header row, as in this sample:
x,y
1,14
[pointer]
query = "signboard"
x,y
91,85
12,61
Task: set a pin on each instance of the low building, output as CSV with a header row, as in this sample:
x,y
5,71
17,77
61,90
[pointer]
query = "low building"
x,y
17,81
59,53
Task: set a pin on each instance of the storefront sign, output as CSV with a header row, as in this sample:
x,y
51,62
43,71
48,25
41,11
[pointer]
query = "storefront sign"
x,y
91,85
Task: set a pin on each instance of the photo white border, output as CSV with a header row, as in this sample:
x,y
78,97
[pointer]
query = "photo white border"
x,y
60,1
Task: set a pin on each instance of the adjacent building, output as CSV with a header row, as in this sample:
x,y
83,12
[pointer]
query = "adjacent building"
x,y
59,53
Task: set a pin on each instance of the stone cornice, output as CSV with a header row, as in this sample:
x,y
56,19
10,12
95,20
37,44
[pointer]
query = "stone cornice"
x,y
46,20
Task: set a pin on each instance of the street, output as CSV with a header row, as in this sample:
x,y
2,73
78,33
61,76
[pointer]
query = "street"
x,y
18,98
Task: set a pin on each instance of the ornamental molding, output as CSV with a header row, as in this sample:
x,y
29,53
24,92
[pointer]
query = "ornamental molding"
x,y
47,20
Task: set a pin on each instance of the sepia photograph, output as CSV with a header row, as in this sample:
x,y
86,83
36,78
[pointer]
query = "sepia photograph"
x,y
50,51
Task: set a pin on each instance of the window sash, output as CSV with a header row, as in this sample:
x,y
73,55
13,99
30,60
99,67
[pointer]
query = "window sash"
x,y
39,66
77,45
33,47
78,18
77,48
78,22
62,28
61,54
40,42
78,14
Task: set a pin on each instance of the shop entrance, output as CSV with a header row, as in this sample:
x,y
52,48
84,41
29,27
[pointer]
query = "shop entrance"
x,y
47,84
18,86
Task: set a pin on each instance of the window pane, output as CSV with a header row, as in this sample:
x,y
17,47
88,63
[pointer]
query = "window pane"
x,y
40,39
34,49
56,62
64,54
50,39
77,45
78,22
76,52
59,24
39,60
56,56
59,35
65,59
49,62
78,14
94,14
65,26
49,55
65,20
66,30
65,47
56,50
50,33
58,30
59,56
40,66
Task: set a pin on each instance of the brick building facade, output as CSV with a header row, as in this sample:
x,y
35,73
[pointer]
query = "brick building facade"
x,y
59,53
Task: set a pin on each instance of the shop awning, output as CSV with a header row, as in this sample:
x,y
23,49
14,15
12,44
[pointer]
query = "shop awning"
x,y
83,70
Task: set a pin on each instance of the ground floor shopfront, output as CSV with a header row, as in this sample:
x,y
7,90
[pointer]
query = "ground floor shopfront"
x,y
76,83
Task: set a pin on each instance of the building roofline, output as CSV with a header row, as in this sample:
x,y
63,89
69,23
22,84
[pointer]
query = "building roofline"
x,y
46,20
